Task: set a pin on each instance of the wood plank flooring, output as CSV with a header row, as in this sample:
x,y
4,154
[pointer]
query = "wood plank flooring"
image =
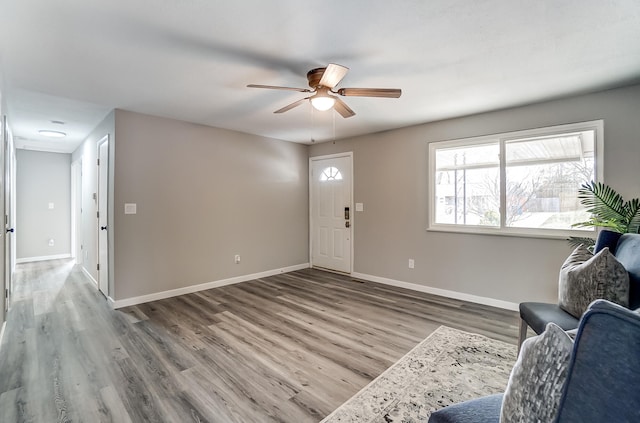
x,y
288,348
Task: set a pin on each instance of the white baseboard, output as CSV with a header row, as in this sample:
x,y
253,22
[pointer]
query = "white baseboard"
x,y
86,272
201,287
43,258
441,292
4,325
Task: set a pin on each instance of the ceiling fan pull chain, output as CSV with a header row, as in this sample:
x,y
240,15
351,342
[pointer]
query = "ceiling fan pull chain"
x,y
334,126
311,120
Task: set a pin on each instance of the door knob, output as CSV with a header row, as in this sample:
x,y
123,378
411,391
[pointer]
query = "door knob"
x,y
103,228
347,224
10,230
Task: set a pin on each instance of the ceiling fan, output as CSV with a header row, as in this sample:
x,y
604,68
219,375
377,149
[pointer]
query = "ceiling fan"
x,y
323,81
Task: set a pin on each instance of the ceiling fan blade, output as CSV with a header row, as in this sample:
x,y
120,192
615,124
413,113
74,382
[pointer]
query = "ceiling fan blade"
x,y
333,74
292,105
342,108
275,87
370,92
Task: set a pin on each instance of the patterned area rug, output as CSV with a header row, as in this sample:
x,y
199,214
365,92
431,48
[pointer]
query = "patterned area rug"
x,y
448,367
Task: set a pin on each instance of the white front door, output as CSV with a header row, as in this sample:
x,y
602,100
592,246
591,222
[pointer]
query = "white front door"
x,y
103,229
330,185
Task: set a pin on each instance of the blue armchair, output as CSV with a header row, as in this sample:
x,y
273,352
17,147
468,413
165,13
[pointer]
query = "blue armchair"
x,y
603,374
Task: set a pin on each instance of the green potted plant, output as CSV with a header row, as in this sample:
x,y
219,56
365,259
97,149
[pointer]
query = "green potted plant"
x,y
608,210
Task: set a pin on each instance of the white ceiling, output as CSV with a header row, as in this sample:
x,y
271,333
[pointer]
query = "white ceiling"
x,y
74,61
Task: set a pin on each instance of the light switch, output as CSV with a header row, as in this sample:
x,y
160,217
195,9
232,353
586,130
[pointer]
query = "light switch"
x,y
130,208
50,206
359,207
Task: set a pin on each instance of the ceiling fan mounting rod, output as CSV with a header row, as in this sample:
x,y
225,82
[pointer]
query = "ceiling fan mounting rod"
x,y
314,76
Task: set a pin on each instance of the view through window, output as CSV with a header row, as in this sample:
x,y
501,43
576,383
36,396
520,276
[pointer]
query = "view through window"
x,y
521,182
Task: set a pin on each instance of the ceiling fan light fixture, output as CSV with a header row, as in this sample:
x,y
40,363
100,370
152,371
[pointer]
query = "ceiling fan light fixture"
x,y
52,134
322,82
322,103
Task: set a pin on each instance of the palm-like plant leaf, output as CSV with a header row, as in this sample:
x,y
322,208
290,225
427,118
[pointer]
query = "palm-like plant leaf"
x,y
608,210
575,241
605,205
633,215
594,222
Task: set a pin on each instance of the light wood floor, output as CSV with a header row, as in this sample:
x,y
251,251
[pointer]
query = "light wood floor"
x,y
288,348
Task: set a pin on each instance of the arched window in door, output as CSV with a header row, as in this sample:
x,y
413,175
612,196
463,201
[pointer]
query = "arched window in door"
x,y
330,174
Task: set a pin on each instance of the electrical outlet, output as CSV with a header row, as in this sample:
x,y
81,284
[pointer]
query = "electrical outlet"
x,y
237,259
51,243
412,264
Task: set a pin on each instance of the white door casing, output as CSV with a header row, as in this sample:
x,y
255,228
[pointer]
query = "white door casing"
x,y
76,211
103,229
4,282
9,205
331,212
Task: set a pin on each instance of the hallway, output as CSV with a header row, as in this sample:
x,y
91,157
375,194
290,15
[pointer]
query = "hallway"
x,y
57,357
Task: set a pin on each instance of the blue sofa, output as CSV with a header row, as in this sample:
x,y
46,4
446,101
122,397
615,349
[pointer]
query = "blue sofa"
x,y
625,247
603,383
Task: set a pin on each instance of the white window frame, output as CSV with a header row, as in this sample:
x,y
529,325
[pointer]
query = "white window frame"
x,y
501,138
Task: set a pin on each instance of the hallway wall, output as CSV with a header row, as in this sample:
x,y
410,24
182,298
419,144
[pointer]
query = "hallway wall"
x,y
203,195
43,182
89,236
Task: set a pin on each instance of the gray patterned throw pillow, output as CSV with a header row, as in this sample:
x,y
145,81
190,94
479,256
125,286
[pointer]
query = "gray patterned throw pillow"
x,y
535,385
585,277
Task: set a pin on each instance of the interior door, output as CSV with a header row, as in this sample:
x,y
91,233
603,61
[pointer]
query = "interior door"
x,y
4,289
9,206
103,230
76,211
330,186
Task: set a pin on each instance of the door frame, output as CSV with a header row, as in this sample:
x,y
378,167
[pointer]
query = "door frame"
x,y
10,164
76,211
103,191
349,155
4,236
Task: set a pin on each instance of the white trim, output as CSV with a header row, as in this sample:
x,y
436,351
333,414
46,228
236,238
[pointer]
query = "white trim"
x,y
201,287
352,216
91,278
4,325
440,292
76,207
103,191
43,258
331,156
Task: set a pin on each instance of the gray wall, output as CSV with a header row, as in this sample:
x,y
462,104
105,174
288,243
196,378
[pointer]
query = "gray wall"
x,y
390,178
87,152
203,195
43,178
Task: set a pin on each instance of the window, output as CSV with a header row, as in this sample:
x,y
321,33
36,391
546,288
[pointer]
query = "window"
x,y
331,174
517,183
